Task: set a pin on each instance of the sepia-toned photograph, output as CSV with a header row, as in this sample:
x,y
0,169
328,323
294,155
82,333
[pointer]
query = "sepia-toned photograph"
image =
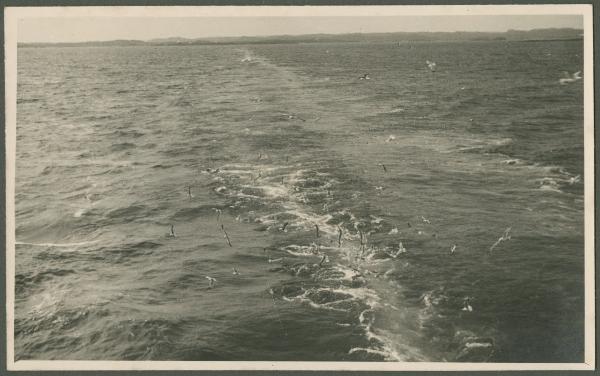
x,y
357,187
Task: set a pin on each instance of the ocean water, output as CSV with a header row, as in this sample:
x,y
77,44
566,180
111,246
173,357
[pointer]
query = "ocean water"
x,y
414,216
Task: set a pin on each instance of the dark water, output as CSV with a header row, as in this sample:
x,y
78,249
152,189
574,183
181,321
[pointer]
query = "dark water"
x,y
110,139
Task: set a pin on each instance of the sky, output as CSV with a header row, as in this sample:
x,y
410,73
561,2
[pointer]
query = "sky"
x,y
79,29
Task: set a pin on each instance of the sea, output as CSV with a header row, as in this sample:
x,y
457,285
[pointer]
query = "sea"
x,y
300,202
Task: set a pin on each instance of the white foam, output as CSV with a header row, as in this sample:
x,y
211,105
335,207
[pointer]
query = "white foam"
x,y
478,345
367,350
301,250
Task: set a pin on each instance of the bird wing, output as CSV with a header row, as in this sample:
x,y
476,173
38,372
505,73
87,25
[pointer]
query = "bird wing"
x,y
495,244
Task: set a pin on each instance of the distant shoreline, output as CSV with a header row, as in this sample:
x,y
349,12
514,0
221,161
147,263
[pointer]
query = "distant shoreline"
x,y
535,35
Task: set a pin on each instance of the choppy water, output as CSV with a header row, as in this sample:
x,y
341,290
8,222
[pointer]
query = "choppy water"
x,y
274,141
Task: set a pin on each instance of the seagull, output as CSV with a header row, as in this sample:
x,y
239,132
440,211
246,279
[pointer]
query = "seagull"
x,y
172,233
390,138
431,65
364,77
293,117
190,192
323,259
568,78
211,282
379,188
575,179
400,250
453,249
382,165
270,260
225,235
235,271
218,211
282,228
504,237
425,220
467,305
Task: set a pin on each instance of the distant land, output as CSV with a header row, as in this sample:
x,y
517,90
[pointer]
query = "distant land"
x,y
400,37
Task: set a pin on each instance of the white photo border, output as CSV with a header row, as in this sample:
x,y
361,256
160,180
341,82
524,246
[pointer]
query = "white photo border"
x,y
13,14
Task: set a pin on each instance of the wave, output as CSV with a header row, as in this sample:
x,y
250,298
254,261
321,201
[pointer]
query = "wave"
x,y
59,245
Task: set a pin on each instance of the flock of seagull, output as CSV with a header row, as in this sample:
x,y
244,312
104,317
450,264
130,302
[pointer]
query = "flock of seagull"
x,y
394,254
432,66
566,79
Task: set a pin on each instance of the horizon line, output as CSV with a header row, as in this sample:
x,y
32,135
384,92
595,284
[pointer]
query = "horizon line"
x,y
257,36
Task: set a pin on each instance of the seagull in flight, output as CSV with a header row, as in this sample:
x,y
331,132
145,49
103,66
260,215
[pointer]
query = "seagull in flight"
x,y
211,282
425,220
506,236
575,179
431,65
172,233
365,77
568,78
219,212
323,259
467,305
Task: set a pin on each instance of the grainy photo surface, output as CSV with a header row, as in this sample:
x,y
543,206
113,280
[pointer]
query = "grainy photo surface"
x,y
390,188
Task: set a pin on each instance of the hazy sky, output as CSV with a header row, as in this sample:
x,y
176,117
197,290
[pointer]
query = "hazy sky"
x,y
75,29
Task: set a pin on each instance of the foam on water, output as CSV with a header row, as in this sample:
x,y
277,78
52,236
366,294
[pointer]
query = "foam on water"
x,y
290,162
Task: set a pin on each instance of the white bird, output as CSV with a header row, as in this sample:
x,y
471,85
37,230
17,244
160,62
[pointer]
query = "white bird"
x,y
172,233
211,282
575,179
504,237
568,78
219,212
453,248
323,259
365,77
467,306
270,260
400,250
425,220
293,117
431,65
235,271
390,138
